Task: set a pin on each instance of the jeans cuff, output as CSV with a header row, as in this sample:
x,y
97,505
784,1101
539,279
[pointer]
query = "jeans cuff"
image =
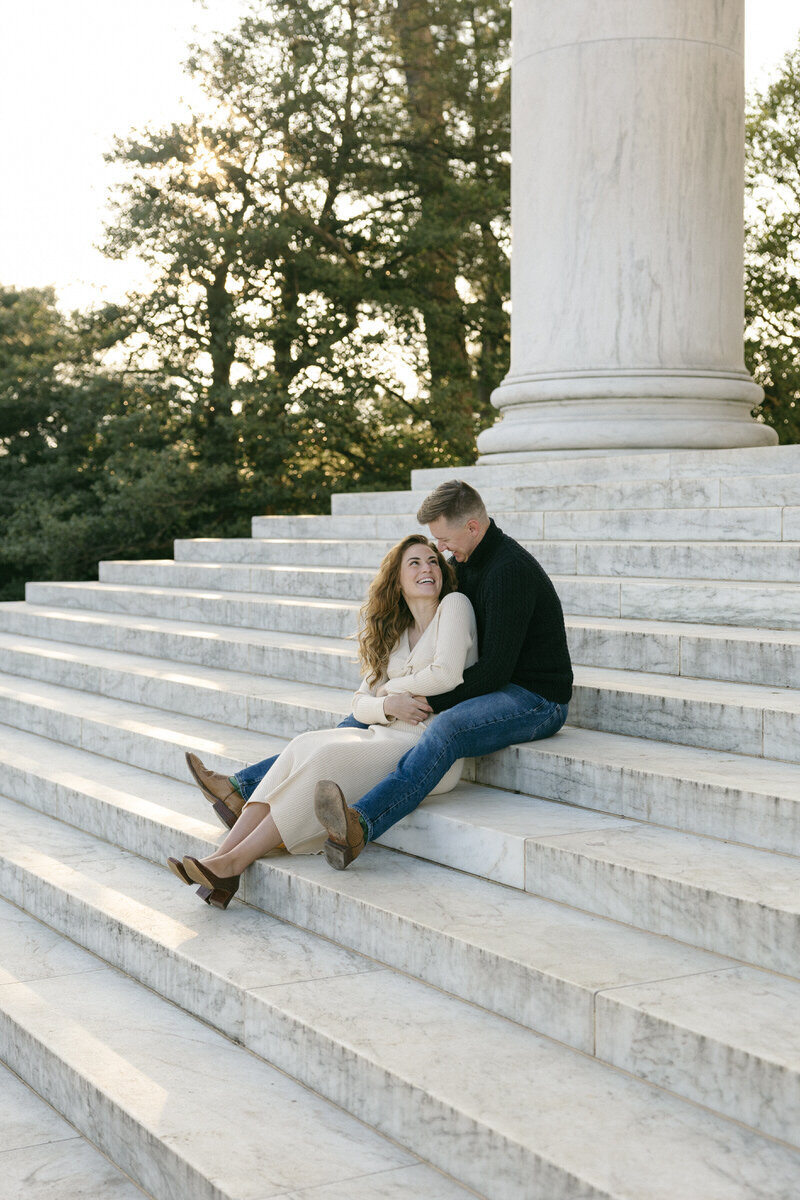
x,y
365,821
244,789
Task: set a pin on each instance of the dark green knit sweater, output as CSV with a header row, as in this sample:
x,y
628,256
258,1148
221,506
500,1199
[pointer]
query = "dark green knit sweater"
x,y
521,635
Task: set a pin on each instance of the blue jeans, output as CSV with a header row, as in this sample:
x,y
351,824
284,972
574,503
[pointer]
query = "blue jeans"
x,y
249,778
468,730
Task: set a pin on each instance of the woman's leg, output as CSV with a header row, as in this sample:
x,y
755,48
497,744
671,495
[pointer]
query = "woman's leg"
x,y
251,816
260,836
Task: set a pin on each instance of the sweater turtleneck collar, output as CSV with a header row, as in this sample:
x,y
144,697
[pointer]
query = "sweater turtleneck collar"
x,y
485,547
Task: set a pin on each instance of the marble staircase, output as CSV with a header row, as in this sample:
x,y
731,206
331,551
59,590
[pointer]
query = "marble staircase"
x,y
576,976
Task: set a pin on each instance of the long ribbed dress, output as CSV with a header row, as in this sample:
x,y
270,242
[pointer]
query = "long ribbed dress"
x,y
357,759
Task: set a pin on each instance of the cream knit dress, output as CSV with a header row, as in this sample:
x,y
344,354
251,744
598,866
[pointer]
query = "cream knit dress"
x,y
357,759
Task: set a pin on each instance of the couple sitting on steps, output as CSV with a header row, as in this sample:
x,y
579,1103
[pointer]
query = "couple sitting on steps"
x,y
459,659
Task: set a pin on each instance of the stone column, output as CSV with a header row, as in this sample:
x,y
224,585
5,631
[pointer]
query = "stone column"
x,y
627,230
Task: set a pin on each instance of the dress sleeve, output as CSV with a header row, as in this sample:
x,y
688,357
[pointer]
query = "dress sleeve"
x,y
455,636
367,707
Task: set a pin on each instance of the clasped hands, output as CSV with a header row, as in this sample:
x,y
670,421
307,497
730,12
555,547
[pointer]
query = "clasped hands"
x,y
404,707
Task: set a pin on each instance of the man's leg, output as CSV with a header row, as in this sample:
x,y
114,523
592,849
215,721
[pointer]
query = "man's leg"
x,y
469,730
228,793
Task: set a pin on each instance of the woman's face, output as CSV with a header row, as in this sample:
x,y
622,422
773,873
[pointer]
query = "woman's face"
x,y
420,573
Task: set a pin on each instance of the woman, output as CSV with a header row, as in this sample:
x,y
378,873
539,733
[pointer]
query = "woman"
x,y
418,635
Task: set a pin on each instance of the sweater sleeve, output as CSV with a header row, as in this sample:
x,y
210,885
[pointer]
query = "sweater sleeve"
x,y
455,635
509,607
367,707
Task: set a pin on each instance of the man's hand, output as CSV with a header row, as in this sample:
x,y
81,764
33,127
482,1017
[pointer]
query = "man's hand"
x,y
407,708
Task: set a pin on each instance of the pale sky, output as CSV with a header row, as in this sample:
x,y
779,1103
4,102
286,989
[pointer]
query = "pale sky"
x,y
75,73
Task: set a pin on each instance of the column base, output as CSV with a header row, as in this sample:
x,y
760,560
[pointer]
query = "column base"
x,y
599,424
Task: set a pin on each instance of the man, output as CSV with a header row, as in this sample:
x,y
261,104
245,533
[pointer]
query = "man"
x,y
517,691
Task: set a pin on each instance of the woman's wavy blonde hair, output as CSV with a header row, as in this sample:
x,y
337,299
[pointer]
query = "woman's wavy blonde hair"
x,y
385,615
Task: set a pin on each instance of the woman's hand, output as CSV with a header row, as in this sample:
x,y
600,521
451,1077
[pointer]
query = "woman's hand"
x,y
403,707
382,690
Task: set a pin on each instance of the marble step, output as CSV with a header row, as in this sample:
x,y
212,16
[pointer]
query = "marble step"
x,y
732,899
745,799
227,970
712,714
305,657
766,605
641,889
42,1157
776,561
650,493
137,1076
672,464
770,523
489,1103
757,656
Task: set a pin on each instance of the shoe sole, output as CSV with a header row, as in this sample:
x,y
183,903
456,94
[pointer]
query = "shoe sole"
x,y
331,809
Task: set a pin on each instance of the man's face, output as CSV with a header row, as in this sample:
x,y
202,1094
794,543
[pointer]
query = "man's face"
x,y
458,540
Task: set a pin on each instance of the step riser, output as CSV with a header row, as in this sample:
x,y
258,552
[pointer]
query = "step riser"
x,y
741,729
343,585
775,561
692,493
770,606
676,464
284,552
275,615
736,492
767,663
754,933
254,1021
771,524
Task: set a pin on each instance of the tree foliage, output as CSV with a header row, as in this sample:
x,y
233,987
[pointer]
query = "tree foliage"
x,y
772,248
327,239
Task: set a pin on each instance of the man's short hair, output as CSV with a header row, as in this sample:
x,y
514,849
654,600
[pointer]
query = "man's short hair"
x,y
455,501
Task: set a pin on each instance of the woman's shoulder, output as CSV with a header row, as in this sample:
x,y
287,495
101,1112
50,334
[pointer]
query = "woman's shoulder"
x,y
456,606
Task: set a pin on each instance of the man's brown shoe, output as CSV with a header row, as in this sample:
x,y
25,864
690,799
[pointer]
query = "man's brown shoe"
x,y
218,790
345,835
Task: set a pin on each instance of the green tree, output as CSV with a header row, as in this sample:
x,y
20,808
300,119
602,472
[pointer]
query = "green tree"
x,y
93,461
772,248
333,216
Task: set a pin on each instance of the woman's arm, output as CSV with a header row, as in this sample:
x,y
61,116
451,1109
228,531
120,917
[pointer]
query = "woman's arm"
x,y
367,707
456,635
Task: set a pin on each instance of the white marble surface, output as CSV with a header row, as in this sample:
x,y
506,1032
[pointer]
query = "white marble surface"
x,y
770,605
507,1109
303,615
729,899
749,800
308,552
614,465
43,1158
713,714
132,1072
333,582
647,493
534,962
776,561
668,524
791,524
729,1040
